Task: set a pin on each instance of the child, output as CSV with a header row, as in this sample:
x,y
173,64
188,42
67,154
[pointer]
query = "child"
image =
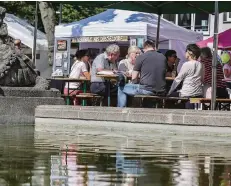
x,y
225,58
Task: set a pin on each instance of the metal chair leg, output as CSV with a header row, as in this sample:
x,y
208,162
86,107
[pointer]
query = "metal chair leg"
x,y
101,102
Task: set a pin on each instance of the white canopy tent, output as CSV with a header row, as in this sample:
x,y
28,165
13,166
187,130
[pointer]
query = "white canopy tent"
x,y
20,29
120,22
128,23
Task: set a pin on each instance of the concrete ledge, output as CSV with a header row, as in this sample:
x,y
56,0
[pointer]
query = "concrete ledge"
x,y
136,115
21,110
28,92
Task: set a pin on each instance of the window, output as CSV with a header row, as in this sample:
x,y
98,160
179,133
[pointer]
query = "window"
x,y
202,23
184,20
227,17
170,17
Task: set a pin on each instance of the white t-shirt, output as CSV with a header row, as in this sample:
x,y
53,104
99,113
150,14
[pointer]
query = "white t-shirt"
x,y
227,67
77,70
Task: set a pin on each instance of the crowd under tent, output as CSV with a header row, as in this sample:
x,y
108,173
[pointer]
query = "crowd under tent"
x,y
122,27
21,29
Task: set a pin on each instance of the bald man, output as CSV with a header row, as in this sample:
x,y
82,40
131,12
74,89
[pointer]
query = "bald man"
x,y
17,46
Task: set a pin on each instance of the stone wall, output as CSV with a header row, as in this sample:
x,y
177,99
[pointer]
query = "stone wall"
x,y
17,104
134,115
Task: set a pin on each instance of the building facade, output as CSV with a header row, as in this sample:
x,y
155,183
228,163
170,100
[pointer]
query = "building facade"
x,y
201,22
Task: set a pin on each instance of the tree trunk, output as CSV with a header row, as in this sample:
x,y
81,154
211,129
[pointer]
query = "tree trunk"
x,y
48,18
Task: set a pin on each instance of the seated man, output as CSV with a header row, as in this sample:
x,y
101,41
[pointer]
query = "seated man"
x,y
104,62
171,58
152,67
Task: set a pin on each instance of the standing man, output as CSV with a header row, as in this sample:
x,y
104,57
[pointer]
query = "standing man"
x,y
104,62
151,66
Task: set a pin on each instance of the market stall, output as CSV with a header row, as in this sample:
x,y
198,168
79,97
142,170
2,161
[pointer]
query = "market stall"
x,y
224,40
118,26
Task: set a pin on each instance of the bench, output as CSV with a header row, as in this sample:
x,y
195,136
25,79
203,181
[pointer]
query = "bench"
x,y
94,97
67,98
222,104
162,100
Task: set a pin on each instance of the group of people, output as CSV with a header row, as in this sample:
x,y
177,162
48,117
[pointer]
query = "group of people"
x,y
148,70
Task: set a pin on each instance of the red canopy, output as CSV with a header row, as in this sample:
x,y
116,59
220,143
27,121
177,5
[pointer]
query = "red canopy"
x,y
224,40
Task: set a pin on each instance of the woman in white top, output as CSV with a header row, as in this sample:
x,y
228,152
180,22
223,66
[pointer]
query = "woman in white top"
x,y
126,65
78,70
190,75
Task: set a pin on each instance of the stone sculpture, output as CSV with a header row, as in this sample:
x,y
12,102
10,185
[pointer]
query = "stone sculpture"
x,y
16,69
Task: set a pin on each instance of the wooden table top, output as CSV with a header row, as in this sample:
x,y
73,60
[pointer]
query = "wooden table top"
x,y
66,79
227,80
129,77
169,78
108,76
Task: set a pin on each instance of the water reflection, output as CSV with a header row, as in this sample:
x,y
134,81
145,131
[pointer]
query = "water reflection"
x,y
92,158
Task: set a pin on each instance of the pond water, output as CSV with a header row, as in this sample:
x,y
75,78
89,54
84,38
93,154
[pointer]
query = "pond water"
x,y
93,158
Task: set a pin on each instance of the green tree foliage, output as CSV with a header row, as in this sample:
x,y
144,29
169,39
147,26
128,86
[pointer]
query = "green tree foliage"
x,y
47,17
75,13
24,10
70,12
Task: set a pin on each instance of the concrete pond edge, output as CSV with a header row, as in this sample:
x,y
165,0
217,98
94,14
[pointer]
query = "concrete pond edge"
x,y
134,115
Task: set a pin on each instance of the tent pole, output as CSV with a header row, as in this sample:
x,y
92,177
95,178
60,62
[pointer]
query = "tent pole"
x,y
158,31
35,35
214,63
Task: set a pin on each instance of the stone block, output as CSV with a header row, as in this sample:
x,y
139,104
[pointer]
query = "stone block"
x,y
28,92
136,115
18,110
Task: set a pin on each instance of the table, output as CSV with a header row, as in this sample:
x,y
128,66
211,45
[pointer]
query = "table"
x,y
227,80
108,78
169,78
68,80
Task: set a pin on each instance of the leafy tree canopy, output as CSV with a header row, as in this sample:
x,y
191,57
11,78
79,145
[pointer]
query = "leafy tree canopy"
x,y
70,12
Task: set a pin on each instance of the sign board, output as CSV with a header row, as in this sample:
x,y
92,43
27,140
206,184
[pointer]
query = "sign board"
x,y
99,39
61,65
62,45
132,42
137,41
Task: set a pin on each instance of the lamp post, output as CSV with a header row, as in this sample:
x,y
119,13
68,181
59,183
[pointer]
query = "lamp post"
x,y
60,13
35,35
214,62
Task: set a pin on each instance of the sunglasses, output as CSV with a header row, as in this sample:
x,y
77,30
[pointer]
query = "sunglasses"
x,y
174,56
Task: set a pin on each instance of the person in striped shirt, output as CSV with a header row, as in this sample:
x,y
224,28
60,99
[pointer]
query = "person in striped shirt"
x,y
206,60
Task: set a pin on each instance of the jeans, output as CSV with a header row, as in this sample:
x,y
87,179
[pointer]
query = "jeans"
x,y
130,90
101,88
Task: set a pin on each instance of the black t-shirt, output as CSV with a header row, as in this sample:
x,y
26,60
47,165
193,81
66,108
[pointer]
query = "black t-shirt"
x,y
152,68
